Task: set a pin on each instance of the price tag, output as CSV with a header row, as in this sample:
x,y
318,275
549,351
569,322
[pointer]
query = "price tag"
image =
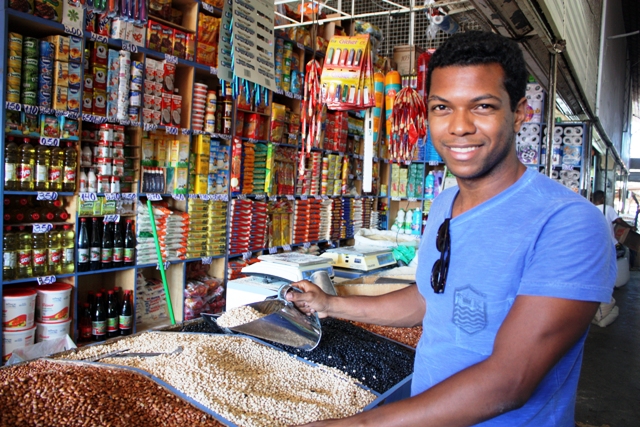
x,y
47,195
242,197
386,161
287,248
288,94
207,7
223,136
128,196
111,218
351,176
165,266
206,260
171,130
88,197
112,196
260,197
224,197
42,228
72,115
46,280
170,58
213,71
273,198
47,111
98,38
273,250
13,106
303,197
298,97
290,197
567,167
52,142
432,163
178,197
247,255
154,197
73,31
407,162
293,136
185,131
395,199
198,132
412,199
206,197
279,91
306,245
193,196
124,122
357,197
135,124
315,196
127,45
300,46
324,197
149,127
31,109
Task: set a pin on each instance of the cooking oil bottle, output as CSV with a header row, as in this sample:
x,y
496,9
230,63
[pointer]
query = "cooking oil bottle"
x,y
68,248
54,252
27,165
11,165
10,254
39,254
25,250
55,169
43,157
70,166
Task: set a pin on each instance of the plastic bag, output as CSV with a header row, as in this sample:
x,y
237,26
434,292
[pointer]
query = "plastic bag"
x,y
41,349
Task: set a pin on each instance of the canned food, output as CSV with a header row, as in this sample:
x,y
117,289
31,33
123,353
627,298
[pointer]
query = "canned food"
x,y
117,152
118,134
30,47
118,167
103,183
228,109
105,133
227,126
15,41
104,166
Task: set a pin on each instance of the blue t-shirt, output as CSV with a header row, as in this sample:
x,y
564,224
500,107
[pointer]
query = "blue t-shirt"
x,y
534,238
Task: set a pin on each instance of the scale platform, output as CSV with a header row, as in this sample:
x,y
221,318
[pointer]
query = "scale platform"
x,y
291,266
363,258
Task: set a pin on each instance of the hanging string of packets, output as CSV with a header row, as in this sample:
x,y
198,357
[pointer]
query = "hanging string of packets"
x,y
347,75
312,112
409,124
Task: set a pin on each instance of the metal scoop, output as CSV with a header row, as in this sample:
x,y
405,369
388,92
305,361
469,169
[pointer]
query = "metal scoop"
x,y
283,322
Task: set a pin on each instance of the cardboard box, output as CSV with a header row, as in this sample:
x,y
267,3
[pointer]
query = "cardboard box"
x,y
373,285
406,58
627,236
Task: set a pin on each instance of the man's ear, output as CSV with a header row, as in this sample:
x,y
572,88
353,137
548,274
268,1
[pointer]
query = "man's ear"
x,y
520,114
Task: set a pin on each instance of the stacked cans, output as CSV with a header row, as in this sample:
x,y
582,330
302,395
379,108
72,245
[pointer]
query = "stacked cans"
x,y
260,168
108,158
45,73
14,71
207,228
162,104
331,183
200,106
30,50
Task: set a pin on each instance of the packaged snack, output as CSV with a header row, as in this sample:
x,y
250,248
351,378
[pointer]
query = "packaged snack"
x,y
49,9
166,40
154,34
179,44
49,126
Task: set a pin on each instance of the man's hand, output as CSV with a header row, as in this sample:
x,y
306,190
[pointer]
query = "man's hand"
x,y
311,300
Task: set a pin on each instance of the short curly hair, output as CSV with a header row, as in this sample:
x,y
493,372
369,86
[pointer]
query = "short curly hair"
x,y
480,47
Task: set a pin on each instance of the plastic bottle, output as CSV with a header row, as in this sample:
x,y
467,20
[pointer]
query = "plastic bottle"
x,y
43,160
416,223
68,249
83,182
429,183
84,328
70,166
118,246
87,157
84,256
106,254
10,254
25,251
129,245
112,315
95,246
27,165
126,314
39,254
54,251
55,169
11,165
99,319
92,181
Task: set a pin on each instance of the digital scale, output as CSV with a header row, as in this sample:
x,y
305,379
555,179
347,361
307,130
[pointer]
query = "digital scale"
x,y
363,258
268,275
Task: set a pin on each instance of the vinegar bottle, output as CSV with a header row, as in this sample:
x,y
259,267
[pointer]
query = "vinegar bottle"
x,y
126,314
11,165
118,246
85,323
107,246
129,245
70,166
83,246
99,319
43,159
27,164
96,246
112,315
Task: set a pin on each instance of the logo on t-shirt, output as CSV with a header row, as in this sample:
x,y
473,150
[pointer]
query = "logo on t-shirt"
x,y
469,310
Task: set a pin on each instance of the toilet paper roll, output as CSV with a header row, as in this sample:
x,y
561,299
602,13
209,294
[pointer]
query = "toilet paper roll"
x,y
534,129
567,140
577,130
534,88
557,130
568,131
531,139
557,140
554,175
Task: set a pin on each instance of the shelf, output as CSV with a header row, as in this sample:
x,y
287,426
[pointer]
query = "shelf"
x,y
280,35
108,270
252,112
39,26
170,24
205,7
34,279
35,193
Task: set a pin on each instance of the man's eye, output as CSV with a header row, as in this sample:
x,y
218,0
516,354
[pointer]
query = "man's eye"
x,y
438,107
486,107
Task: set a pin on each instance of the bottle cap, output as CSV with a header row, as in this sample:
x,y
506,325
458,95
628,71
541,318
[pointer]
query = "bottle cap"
x,y
110,292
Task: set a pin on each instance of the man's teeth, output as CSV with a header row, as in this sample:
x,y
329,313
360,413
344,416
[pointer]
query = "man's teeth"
x,y
463,149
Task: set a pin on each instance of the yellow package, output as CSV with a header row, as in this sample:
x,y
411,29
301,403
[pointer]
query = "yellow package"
x,y
60,96
202,145
61,47
160,151
202,182
61,73
202,165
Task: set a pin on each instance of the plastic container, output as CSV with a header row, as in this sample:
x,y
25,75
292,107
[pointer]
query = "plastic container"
x,y
18,309
53,302
51,331
13,340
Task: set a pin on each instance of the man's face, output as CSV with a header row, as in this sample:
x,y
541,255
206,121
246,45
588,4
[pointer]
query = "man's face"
x,y
470,119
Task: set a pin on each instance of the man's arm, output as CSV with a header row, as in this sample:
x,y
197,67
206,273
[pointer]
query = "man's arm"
x,y
402,308
537,332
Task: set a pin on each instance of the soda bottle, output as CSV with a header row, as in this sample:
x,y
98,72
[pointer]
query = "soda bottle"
x,y
68,248
70,166
126,314
84,328
10,254
118,246
24,253
129,245
11,165
112,315
43,159
39,254
27,164
55,169
54,252
91,299
83,246
96,246
99,320
107,246
32,215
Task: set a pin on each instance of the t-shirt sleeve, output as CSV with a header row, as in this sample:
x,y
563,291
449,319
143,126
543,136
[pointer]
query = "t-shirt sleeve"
x,y
572,257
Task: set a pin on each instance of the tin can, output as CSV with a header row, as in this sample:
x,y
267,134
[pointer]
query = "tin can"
x,y
135,99
45,67
228,109
103,183
118,167
118,135
15,62
115,184
104,167
15,42
105,134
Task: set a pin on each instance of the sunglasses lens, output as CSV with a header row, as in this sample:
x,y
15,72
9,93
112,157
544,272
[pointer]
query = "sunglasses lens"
x,y
435,277
443,233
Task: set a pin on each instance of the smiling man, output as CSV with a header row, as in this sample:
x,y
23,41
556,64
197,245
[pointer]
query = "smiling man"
x,y
512,264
